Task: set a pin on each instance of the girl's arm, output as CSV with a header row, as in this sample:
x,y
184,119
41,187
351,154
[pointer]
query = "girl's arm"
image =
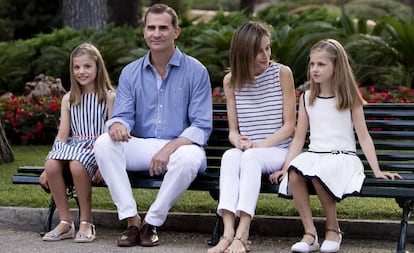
x,y
110,98
289,111
234,135
367,144
297,143
64,125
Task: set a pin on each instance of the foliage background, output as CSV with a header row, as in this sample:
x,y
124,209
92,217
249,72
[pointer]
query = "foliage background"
x,y
378,36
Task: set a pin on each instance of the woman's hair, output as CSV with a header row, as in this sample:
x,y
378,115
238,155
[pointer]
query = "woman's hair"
x,y
344,85
159,9
245,45
102,80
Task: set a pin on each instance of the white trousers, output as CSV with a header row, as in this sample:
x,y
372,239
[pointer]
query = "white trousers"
x,y
240,177
115,158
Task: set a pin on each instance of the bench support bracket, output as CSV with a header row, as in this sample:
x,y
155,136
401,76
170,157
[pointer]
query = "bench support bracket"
x,y
407,205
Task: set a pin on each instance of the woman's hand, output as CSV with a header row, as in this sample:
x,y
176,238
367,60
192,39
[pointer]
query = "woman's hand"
x,y
245,143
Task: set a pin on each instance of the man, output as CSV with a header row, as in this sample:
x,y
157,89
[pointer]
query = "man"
x,y
161,120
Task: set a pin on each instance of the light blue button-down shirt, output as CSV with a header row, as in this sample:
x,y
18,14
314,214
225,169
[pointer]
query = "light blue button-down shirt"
x,y
180,107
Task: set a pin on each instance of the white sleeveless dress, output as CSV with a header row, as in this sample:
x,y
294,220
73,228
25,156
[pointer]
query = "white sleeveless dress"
x,y
87,123
331,157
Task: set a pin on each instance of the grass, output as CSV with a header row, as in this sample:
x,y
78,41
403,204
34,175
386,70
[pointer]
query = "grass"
x,y
191,201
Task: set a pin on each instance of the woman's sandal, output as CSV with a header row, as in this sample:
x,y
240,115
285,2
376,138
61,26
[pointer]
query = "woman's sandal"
x,y
332,246
53,235
244,242
82,236
225,238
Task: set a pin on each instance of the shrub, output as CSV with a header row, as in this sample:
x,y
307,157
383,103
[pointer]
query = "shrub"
x,y
30,122
399,94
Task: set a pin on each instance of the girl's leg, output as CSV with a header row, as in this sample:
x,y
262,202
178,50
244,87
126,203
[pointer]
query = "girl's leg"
x,y
82,182
54,175
329,207
301,197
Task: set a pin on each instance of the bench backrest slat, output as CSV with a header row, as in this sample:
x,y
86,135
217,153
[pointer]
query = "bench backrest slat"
x,y
391,127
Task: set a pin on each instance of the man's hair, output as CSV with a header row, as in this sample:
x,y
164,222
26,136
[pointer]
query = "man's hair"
x,y
162,8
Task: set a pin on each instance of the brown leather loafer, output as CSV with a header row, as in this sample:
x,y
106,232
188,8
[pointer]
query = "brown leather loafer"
x,y
130,237
148,236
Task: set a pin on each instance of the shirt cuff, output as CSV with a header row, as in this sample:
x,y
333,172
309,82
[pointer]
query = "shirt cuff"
x,y
116,120
195,134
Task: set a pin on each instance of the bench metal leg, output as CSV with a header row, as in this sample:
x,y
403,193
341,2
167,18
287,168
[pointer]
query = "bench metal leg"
x,y
217,230
49,216
407,206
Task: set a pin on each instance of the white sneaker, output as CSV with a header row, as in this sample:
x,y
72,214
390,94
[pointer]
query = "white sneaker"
x,y
303,247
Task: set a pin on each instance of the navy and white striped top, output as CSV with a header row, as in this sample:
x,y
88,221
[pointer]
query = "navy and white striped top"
x,y
260,106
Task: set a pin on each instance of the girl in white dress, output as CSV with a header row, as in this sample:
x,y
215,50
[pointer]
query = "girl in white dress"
x,y
84,111
332,108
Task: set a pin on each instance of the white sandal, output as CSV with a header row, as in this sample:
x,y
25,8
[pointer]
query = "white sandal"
x,y
84,236
55,236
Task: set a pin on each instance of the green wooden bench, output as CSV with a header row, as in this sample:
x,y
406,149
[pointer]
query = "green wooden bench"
x,y
391,127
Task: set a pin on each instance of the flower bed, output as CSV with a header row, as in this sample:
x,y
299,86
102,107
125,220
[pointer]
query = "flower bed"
x,y
25,121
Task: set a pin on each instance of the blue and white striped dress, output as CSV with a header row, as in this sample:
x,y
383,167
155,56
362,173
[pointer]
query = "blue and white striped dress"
x,y
261,102
87,123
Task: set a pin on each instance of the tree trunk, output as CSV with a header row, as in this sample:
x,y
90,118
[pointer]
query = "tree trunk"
x,y
247,6
125,12
6,153
79,14
412,7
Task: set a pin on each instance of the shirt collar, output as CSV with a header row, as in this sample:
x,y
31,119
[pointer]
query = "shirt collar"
x,y
174,60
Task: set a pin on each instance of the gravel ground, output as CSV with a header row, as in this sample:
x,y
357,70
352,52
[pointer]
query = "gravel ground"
x,y
20,227
20,241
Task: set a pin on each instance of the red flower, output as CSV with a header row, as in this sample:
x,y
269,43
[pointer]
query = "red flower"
x,y
38,127
54,106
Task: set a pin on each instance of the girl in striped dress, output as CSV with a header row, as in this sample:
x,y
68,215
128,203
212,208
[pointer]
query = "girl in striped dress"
x,y
261,112
84,111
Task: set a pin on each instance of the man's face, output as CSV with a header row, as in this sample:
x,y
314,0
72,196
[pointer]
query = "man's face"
x,y
159,33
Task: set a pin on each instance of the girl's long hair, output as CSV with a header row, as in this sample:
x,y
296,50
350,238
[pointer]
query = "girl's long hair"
x,y
344,85
102,81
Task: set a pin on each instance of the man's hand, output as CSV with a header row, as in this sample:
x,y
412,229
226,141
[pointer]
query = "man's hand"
x,y
119,132
159,162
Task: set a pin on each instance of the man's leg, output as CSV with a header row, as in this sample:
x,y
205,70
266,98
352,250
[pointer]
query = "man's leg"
x,y
113,158
182,169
